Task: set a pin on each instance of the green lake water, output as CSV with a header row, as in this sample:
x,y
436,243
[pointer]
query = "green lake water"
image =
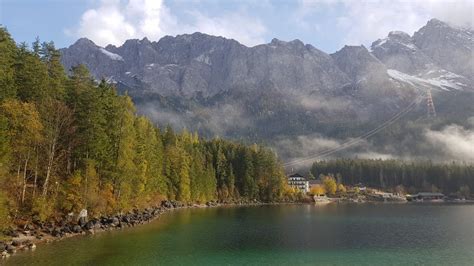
x,y
335,234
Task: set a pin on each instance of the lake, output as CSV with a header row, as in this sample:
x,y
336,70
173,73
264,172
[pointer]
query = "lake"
x,y
335,234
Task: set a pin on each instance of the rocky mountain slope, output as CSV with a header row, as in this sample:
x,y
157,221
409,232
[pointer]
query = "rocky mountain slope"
x,y
286,93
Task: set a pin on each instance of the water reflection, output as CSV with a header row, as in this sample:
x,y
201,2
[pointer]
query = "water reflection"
x,y
297,234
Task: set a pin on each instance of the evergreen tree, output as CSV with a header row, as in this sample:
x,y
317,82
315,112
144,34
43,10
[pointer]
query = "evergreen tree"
x,y
31,76
67,143
7,60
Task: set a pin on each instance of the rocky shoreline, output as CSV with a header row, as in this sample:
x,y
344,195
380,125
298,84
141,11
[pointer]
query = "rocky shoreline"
x,y
36,232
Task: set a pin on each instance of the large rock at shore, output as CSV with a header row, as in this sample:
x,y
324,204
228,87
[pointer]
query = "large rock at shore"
x,y
115,221
11,249
57,232
167,204
77,229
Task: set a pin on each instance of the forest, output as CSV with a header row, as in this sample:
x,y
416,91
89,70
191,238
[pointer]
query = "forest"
x,y
410,176
69,142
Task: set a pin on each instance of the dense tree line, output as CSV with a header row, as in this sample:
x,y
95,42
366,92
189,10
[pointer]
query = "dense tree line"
x,y
69,142
413,176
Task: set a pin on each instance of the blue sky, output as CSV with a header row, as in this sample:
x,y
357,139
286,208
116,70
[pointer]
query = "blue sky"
x,y
326,24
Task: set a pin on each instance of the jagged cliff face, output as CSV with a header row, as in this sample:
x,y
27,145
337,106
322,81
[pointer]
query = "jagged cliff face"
x,y
281,89
450,48
358,63
397,51
199,64
437,52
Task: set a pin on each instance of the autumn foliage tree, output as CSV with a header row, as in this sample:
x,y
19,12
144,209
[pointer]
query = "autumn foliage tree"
x,y
318,190
68,142
330,185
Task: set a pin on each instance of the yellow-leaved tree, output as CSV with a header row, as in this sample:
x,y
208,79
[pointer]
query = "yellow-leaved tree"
x,y
25,134
330,185
341,188
318,190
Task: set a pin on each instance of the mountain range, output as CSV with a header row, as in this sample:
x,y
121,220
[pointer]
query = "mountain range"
x,y
295,97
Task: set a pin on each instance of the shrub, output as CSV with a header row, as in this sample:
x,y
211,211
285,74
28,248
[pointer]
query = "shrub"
x,y
43,208
4,214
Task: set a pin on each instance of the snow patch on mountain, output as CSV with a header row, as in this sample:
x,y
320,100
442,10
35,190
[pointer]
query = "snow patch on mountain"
x,y
378,44
443,82
111,55
394,38
150,66
204,58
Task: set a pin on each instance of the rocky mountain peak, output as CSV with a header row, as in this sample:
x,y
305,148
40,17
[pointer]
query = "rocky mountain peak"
x,y
110,47
399,36
399,51
145,41
131,43
297,43
283,88
357,62
196,43
434,22
276,41
439,29
450,47
291,44
395,38
196,37
84,42
187,64
353,49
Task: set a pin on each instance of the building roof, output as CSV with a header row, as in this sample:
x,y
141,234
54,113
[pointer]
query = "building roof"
x,y
428,194
314,181
296,175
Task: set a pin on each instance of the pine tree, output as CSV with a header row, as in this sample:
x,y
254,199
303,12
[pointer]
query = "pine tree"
x,y
31,76
8,51
57,77
125,173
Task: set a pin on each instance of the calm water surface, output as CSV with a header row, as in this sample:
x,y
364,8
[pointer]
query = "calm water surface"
x,y
339,234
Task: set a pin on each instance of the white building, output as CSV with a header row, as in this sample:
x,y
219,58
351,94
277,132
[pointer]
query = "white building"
x,y
299,182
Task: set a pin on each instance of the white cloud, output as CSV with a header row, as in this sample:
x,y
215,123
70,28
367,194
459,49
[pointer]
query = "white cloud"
x,y
458,12
302,149
365,21
375,155
308,148
246,30
114,21
454,141
318,103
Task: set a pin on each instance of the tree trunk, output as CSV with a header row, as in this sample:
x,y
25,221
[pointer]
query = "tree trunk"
x,y
23,192
36,174
49,168
58,123
17,183
68,162
18,171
